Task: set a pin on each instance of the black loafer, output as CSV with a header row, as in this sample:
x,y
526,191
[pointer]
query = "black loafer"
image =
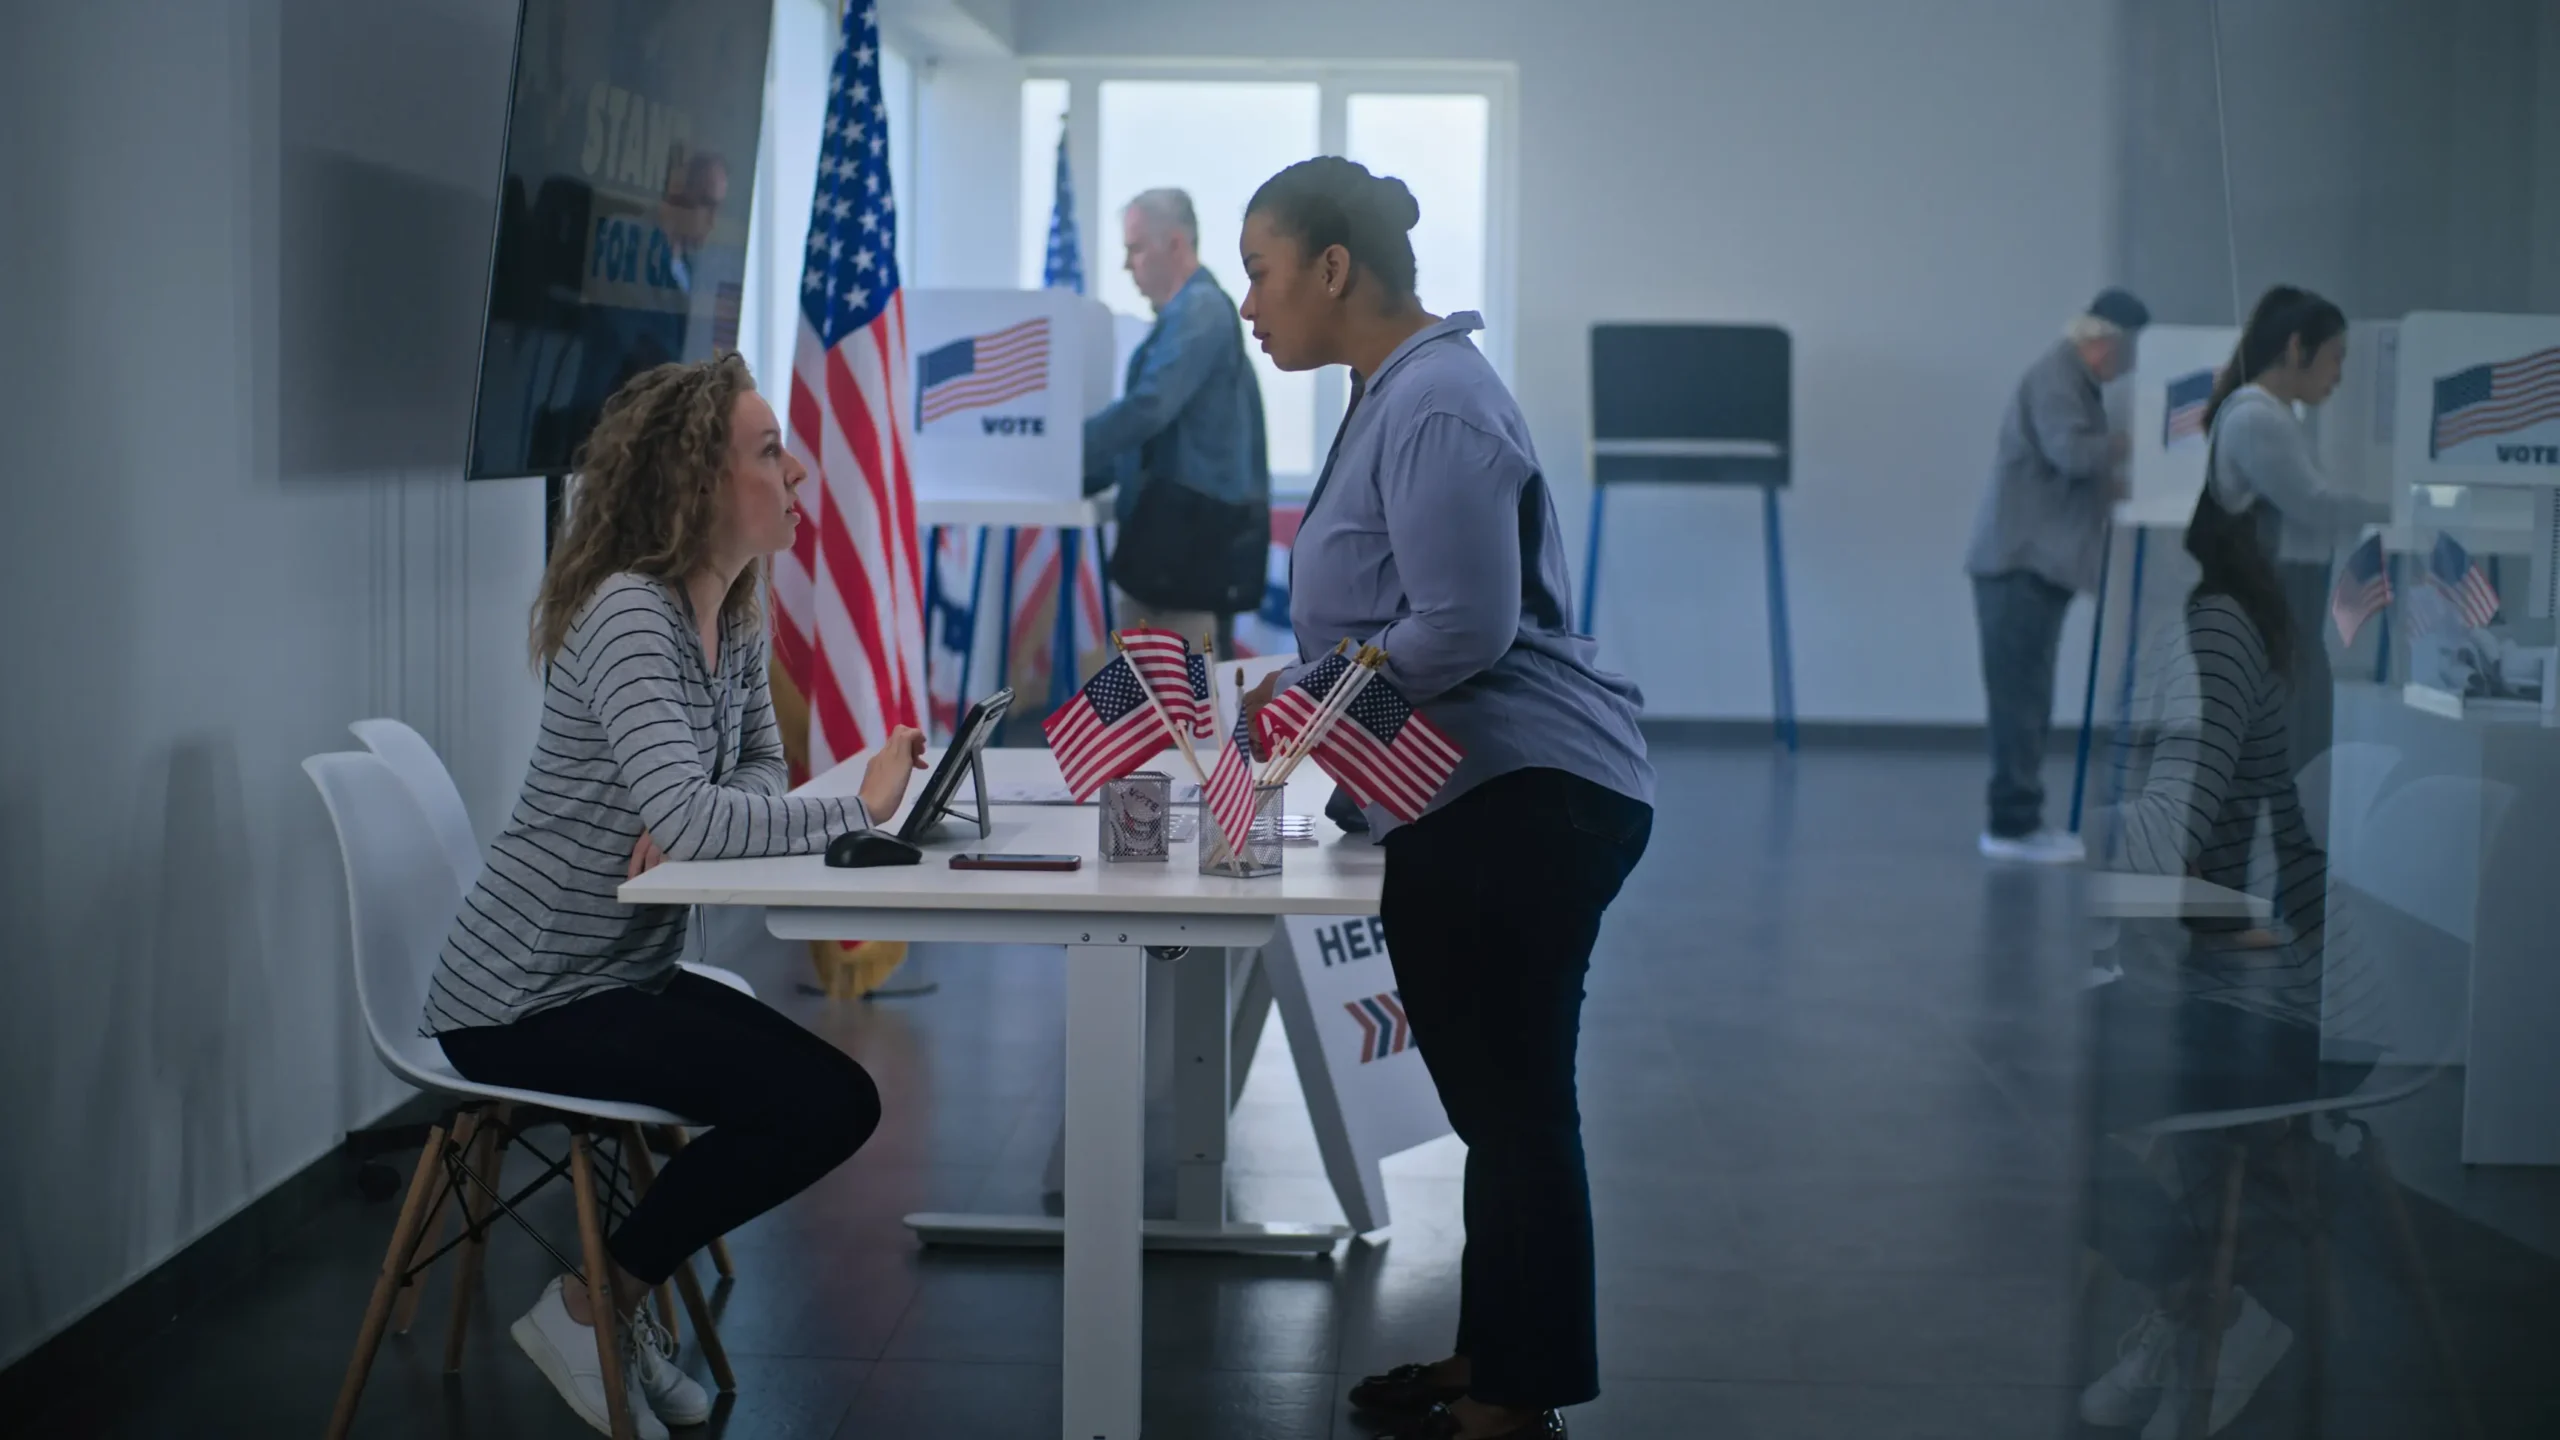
x,y
1405,1390
1438,1424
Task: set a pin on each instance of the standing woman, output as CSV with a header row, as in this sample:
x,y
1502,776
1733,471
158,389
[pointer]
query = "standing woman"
x,y
1431,533
658,742
2290,354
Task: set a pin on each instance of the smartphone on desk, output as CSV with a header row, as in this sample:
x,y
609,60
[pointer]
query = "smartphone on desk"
x,y
985,861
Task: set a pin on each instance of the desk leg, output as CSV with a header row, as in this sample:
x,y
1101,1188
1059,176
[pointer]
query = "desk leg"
x,y
1106,1160
1200,1087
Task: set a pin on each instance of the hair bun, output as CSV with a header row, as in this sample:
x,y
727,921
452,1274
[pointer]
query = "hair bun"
x,y
1396,203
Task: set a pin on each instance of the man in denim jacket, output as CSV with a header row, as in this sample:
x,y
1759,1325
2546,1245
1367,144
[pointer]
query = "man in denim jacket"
x,y
1191,412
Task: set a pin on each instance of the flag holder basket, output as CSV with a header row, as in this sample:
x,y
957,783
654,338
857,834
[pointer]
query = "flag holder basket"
x,y
1262,848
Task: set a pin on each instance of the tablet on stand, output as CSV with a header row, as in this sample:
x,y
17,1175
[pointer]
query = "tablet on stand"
x,y
967,753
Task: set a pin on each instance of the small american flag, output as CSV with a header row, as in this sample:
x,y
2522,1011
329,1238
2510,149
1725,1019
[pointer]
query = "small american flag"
x,y
1164,660
1385,753
2363,588
977,371
1105,730
1230,790
2188,396
1204,706
2452,570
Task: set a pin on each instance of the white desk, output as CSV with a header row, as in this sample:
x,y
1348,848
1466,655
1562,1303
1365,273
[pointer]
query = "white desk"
x,y
1105,916
2125,895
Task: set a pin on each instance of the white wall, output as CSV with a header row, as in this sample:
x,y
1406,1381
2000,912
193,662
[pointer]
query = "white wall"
x,y
1920,193
247,265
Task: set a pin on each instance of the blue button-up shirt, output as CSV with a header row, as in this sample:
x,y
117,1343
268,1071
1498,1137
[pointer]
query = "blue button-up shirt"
x,y
1432,535
1191,411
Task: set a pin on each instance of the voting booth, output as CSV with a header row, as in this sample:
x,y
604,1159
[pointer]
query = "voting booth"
x,y
1698,404
999,387
2171,384
2162,406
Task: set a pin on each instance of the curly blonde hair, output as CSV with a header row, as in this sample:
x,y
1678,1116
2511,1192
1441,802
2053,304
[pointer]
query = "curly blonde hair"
x,y
648,493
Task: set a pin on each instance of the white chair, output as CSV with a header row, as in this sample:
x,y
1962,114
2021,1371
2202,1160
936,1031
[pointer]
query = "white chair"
x,y
402,893
2402,1071
418,766
431,785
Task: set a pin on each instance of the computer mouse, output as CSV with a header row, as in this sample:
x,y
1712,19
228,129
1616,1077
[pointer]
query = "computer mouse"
x,y
862,849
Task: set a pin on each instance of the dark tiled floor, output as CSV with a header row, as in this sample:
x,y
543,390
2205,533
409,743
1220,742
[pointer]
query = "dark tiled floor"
x,y
1831,1074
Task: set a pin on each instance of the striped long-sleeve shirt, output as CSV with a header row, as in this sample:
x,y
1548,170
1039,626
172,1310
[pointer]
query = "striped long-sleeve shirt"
x,y
2209,774
635,731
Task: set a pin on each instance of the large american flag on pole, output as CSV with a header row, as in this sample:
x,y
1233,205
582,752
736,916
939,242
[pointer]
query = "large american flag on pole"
x,y
848,596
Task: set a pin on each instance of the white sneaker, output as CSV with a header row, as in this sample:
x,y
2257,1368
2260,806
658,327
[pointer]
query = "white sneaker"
x,y
2251,1347
2044,847
677,1397
2127,1394
565,1352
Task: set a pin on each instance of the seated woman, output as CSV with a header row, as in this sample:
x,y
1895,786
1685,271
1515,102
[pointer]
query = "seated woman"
x,y
658,741
2205,1017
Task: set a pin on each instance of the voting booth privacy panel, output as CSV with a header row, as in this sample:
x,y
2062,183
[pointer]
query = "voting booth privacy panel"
x,y
999,385
1697,404
1002,383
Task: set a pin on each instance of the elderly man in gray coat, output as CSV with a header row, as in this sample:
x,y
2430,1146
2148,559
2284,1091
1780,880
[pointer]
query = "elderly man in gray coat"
x,y
2039,539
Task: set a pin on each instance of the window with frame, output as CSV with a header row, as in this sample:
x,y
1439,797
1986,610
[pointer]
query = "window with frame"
x,y
1218,131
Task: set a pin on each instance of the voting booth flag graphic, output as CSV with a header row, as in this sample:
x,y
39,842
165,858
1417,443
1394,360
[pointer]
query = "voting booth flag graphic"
x,y
2182,418
977,371
2514,400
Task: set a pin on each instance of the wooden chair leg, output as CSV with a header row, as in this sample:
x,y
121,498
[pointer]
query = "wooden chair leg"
x,y
644,1174
705,1333
2466,1416
676,1141
488,1162
395,1258
404,1312
599,1282
2226,1251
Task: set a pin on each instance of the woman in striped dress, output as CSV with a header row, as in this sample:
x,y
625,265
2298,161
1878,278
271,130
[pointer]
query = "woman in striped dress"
x,y
658,742
2205,1016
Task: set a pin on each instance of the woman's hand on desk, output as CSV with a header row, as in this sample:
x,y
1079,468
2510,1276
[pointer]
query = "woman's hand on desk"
x,y
645,857
884,779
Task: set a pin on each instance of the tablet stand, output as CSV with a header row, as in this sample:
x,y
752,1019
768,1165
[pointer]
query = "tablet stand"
x,y
983,817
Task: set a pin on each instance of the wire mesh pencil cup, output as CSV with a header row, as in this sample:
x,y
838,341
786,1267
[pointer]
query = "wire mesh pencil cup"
x,y
1262,849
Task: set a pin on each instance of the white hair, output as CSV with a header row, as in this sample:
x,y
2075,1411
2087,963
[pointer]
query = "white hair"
x,y
1167,210
2089,329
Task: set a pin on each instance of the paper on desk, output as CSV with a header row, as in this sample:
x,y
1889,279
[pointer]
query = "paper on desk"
x,y
1053,791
